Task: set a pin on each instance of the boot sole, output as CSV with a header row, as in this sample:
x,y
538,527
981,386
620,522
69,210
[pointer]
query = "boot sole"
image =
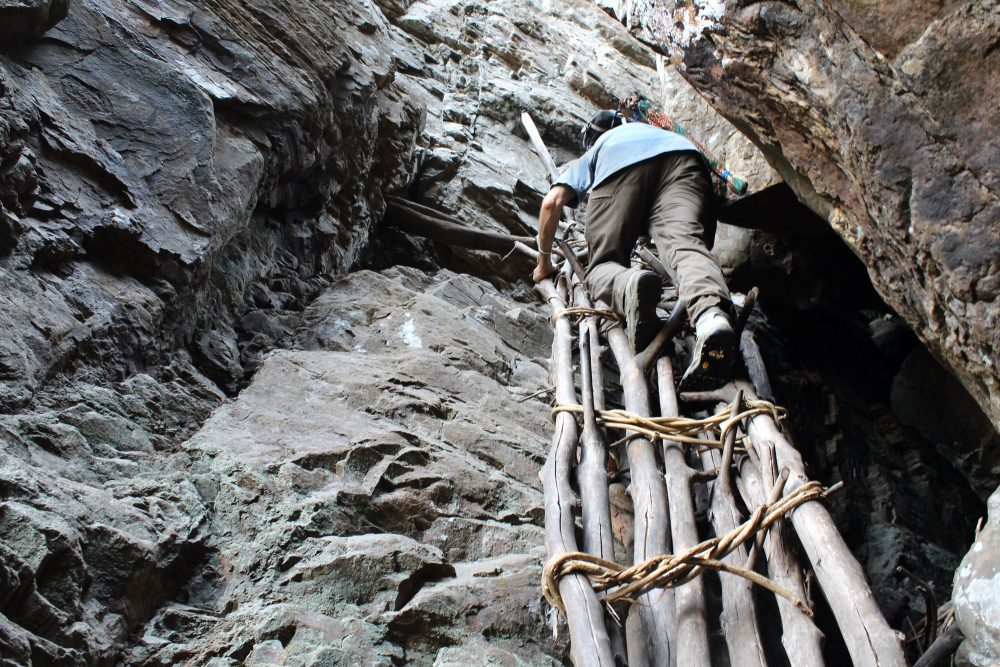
x,y
711,367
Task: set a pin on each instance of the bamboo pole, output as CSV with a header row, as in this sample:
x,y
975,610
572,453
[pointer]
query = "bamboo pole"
x,y
598,649
589,641
739,612
692,647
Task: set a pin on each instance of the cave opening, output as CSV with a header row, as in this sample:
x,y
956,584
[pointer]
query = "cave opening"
x,y
868,404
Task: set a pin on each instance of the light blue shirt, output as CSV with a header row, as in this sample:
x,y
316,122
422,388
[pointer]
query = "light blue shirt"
x,y
617,149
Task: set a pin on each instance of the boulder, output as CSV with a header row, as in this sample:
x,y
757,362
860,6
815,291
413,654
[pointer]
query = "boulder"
x,y
977,595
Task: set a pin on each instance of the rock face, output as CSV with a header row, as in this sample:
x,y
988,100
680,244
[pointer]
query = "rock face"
x,y
188,195
175,185
879,117
977,594
374,496
178,182
186,163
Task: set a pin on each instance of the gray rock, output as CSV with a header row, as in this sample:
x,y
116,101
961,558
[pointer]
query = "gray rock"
x,y
977,595
374,494
26,20
103,195
178,183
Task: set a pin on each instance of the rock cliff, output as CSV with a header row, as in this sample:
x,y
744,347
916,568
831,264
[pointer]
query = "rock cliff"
x,y
878,116
180,183
247,421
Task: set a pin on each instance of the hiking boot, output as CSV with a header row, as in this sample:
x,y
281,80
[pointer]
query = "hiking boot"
x,y
642,293
714,352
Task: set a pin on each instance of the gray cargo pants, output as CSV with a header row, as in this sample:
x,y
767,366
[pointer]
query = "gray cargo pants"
x,y
668,198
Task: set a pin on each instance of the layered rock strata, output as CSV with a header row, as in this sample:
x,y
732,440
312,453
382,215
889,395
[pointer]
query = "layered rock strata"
x,y
179,181
374,495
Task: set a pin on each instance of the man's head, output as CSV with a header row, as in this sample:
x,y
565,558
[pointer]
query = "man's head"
x,y
598,125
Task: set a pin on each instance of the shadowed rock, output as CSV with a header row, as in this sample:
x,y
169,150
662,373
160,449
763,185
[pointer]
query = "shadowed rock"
x,y
25,20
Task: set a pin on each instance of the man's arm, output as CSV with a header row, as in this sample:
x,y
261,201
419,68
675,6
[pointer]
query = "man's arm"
x,y
548,223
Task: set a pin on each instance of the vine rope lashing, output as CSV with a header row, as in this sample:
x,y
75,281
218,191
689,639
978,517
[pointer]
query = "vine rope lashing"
x,y
679,429
670,570
581,312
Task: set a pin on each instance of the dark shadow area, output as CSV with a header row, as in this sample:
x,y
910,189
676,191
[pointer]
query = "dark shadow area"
x,y
848,369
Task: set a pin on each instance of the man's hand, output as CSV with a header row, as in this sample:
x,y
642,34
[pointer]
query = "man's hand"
x,y
544,270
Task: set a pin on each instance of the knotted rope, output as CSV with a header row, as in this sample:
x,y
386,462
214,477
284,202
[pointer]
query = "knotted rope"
x,y
580,312
679,429
668,571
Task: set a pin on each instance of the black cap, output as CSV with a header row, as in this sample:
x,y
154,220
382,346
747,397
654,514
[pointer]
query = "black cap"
x,y
598,125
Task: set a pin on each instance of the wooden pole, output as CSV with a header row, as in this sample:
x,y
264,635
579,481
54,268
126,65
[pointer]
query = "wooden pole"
x,y
592,473
589,640
649,499
692,647
438,227
536,141
755,365
940,652
869,639
802,640
543,154
739,612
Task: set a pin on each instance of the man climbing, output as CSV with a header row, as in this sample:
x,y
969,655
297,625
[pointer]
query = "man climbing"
x,y
646,180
